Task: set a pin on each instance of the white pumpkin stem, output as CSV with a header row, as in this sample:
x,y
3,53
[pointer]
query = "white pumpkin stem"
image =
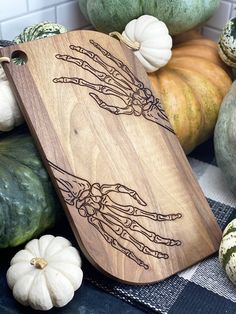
x,y
134,45
5,59
39,262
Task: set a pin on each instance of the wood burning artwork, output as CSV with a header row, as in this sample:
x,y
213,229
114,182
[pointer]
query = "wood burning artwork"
x,y
127,188
94,203
92,200
138,99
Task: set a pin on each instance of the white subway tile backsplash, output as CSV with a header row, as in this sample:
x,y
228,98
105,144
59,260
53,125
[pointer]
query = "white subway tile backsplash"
x,y
69,15
15,15
36,5
211,33
13,27
233,10
221,16
12,8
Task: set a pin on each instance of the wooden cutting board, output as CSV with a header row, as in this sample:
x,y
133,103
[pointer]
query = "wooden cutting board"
x,y
131,198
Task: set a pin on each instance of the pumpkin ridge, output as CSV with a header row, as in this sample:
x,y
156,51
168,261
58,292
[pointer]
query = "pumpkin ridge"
x,y
15,160
36,200
49,290
58,262
30,245
232,229
29,281
161,83
209,69
36,283
227,255
208,89
62,271
22,259
60,248
31,222
51,257
35,29
21,172
32,284
43,254
22,275
198,41
193,131
195,62
209,54
39,274
49,286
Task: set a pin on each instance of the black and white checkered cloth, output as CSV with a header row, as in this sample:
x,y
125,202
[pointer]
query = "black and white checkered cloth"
x,y
203,288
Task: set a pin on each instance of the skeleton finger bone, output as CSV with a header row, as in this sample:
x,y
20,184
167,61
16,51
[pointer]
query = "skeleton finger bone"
x,y
110,69
128,209
135,211
108,79
98,87
109,221
119,63
119,188
169,217
114,243
135,226
112,109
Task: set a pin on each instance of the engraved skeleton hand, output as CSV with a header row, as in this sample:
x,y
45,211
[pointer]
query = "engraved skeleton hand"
x,y
94,203
116,80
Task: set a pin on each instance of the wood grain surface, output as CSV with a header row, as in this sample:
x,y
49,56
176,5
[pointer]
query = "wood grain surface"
x,y
131,198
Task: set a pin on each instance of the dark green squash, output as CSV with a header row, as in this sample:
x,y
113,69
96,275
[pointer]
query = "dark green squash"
x,y
28,204
178,15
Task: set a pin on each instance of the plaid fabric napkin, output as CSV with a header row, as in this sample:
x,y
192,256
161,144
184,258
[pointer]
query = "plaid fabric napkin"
x,y
203,288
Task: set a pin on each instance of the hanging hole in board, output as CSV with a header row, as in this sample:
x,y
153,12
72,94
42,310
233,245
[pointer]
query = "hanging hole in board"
x,y
19,57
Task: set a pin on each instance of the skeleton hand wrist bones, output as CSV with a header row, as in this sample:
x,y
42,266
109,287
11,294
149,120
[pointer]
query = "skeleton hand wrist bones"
x,y
94,203
137,99
92,200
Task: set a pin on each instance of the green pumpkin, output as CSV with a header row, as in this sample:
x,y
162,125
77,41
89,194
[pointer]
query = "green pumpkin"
x,y
28,204
38,31
179,15
227,251
227,43
225,137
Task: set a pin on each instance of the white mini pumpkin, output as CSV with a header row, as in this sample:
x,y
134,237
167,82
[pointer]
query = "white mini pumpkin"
x,y
152,39
46,273
227,251
10,115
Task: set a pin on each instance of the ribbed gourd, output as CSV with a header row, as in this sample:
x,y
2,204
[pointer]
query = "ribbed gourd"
x,y
39,31
227,43
191,88
151,41
227,251
46,273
